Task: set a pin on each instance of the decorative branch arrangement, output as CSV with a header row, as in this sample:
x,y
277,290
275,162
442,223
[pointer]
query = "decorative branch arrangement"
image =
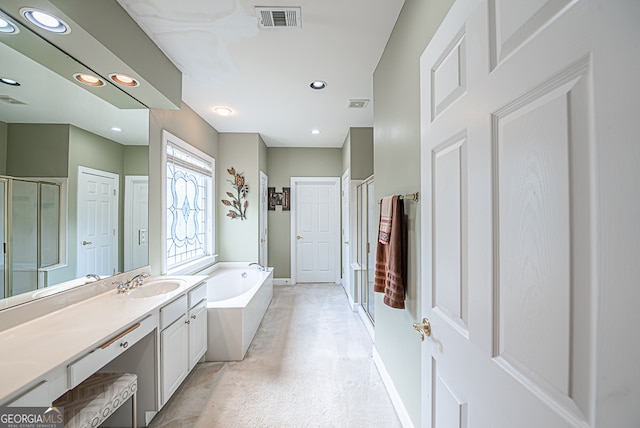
x,y
239,208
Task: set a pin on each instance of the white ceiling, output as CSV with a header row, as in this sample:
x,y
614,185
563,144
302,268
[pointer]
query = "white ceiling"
x,y
264,75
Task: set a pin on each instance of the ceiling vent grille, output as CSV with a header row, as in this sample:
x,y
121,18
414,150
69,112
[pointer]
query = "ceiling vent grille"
x,y
279,17
7,99
359,103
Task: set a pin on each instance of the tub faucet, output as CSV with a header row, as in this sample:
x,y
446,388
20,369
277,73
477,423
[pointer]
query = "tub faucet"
x,y
262,268
95,276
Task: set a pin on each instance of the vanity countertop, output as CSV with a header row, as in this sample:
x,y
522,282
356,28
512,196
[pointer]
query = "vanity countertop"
x,y
30,351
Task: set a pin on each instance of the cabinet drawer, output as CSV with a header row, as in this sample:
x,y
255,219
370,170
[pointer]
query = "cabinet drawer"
x,y
173,311
110,349
197,294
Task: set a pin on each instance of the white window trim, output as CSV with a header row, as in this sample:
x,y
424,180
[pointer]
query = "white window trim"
x,y
199,264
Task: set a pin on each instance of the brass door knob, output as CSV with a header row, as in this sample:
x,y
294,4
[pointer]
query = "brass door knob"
x,y
86,243
423,329
298,237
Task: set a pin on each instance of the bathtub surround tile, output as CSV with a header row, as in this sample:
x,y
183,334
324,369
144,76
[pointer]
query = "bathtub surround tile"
x,y
310,365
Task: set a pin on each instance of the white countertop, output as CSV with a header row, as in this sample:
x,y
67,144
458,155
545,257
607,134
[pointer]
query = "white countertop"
x,y
30,351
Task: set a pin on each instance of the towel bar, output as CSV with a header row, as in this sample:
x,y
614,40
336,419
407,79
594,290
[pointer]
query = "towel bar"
x,y
408,196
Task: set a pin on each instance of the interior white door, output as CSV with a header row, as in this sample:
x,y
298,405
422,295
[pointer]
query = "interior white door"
x,y
136,221
97,222
516,113
316,230
346,244
264,206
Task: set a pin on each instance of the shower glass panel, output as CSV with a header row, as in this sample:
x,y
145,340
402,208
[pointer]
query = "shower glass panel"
x,y
3,222
49,224
24,236
367,238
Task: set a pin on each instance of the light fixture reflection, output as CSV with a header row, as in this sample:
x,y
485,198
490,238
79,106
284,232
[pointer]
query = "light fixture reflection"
x,y
7,27
89,79
124,80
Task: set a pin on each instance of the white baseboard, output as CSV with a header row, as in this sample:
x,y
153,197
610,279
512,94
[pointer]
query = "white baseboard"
x,y
403,415
367,322
281,281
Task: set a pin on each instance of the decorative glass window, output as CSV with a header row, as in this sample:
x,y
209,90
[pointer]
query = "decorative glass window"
x,y
189,204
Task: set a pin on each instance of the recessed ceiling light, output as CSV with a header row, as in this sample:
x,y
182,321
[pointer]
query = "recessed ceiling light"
x,y
116,129
7,27
124,80
46,21
9,82
315,131
318,84
89,79
223,111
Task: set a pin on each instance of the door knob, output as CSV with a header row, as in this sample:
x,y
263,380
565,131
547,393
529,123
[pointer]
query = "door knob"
x,y
424,328
298,237
86,243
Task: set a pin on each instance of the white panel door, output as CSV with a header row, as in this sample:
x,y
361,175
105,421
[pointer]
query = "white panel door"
x,y
97,222
263,230
136,222
316,231
513,96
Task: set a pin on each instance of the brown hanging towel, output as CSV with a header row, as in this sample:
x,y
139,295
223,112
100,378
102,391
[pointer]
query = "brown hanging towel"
x,y
391,255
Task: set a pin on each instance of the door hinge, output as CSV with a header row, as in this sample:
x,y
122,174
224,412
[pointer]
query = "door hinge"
x,y
114,232
114,192
4,248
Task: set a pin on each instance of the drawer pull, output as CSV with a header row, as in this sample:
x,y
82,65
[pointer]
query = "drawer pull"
x,y
124,345
121,335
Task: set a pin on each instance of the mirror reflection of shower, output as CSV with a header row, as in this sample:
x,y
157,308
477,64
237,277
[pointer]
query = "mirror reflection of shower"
x,y
29,232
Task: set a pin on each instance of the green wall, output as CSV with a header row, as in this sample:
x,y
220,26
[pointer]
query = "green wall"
x,y
36,150
361,153
136,160
284,163
397,171
239,239
188,126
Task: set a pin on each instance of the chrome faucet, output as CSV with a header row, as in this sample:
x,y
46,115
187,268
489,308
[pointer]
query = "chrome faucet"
x,y
121,287
262,268
137,280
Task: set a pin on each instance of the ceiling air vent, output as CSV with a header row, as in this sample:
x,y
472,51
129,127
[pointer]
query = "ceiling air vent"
x,y
279,17
360,103
7,99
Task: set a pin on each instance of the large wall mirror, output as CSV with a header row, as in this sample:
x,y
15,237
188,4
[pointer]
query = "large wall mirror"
x,y
73,175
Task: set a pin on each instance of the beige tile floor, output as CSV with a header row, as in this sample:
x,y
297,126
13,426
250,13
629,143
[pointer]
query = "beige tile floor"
x,y
310,365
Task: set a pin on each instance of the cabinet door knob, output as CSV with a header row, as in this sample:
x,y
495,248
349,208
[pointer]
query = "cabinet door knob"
x,y
193,317
124,344
187,322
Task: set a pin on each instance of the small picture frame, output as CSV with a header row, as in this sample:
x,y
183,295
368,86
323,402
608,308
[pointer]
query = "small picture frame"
x,y
286,199
272,199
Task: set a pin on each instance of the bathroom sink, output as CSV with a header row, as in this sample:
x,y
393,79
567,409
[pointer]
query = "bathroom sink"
x,y
155,288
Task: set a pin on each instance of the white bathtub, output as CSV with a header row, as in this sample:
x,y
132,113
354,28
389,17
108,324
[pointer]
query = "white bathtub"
x,y
237,299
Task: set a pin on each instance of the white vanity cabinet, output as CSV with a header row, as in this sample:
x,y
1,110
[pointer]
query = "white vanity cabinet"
x,y
197,324
174,347
183,341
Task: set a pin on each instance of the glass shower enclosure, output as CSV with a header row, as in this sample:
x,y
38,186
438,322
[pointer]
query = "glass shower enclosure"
x,y
29,232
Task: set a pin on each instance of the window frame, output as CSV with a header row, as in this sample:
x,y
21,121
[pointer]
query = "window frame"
x,y
200,263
